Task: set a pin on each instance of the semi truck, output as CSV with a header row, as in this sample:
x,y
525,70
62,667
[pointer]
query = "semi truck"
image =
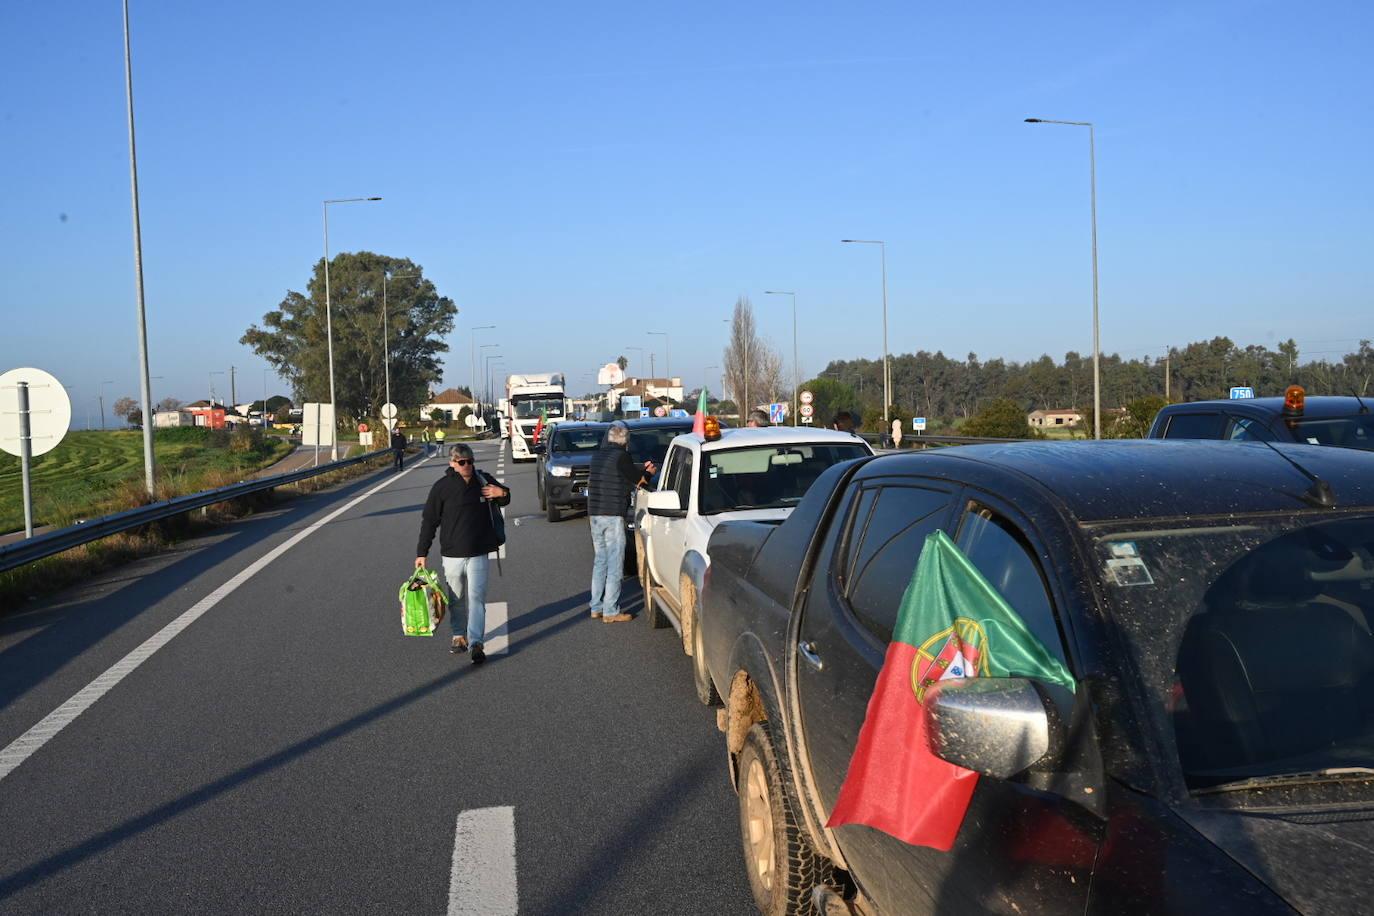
x,y
528,397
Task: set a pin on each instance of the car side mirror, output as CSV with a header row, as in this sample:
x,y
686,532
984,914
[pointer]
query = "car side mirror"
x,y
995,726
664,503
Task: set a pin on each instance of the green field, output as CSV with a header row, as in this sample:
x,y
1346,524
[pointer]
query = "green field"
x,y
91,473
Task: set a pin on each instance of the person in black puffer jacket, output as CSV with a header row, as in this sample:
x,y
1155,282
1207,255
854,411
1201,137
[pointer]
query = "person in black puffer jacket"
x,y
613,479
461,507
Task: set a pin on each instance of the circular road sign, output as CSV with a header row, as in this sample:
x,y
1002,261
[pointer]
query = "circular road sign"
x,y
362,427
807,397
471,420
50,411
807,410
388,411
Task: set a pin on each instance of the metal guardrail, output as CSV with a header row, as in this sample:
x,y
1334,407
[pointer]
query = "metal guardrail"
x,y
21,553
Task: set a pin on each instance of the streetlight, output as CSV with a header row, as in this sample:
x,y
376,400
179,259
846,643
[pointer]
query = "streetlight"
x,y
667,359
145,386
641,354
1092,190
493,360
486,358
796,370
329,322
705,376
472,364
386,337
887,376
102,402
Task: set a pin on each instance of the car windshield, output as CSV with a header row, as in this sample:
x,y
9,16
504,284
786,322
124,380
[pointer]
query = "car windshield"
x,y
1343,432
529,408
766,477
578,440
652,444
1253,639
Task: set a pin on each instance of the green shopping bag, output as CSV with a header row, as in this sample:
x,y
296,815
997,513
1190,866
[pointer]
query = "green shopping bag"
x,y
423,602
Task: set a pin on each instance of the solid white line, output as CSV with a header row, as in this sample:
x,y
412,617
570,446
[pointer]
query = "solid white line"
x,y
497,640
19,750
482,879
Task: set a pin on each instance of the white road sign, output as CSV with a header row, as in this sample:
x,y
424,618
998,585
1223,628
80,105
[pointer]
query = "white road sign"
x,y
388,411
807,409
50,411
317,424
918,424
806,398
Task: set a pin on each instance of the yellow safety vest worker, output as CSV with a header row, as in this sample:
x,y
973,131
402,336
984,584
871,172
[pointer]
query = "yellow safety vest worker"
x,y
439,435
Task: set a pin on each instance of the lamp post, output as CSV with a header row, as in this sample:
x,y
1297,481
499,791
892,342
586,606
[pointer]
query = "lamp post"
x,y
796,370
492,361
486,372
472,365
667,363
1092,191
145,385
329,321
386,336
486,357
102,401
887,376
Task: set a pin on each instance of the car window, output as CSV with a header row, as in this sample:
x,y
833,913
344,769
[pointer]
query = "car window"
x,y
683,482
1244,429
767,476
578,440
672,469
1344,432
1194,426
884,547
858,521
1002,554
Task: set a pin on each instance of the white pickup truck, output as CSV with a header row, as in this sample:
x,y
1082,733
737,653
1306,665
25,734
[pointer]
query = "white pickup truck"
x,y
742,474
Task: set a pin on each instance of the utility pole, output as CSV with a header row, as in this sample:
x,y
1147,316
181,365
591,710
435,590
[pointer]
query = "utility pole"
x,y
1167,353
652,373
233,387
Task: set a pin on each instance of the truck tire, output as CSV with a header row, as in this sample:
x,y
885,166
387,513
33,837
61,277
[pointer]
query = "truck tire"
x,y
646,582
701,674
552,513
782,866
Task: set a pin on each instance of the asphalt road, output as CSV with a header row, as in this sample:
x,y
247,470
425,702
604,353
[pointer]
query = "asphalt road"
x,y
290,751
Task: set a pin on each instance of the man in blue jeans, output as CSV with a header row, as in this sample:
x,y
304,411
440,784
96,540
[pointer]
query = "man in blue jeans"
x,y
613,479
460,507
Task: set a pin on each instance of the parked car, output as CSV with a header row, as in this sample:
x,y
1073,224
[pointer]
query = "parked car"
x,y
757,474
1325,420
1218,753
564,466
649,441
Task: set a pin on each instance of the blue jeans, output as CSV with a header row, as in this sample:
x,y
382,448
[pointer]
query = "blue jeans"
x,y
608,537
467,595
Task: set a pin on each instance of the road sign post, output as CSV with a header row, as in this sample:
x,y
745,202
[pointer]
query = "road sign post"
x,y
777,414
44,413
26,456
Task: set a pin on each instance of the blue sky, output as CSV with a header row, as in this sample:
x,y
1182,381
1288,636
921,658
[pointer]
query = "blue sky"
x,y
579,174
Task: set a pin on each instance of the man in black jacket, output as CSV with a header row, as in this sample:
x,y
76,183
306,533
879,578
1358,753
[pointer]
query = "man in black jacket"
x,y
398,447
613,479
462,506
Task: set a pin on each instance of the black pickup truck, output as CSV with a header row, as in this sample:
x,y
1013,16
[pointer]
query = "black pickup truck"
x,y
1214,608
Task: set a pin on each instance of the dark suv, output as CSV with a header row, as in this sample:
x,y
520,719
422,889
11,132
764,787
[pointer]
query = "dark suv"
x,y
1344,422
565,459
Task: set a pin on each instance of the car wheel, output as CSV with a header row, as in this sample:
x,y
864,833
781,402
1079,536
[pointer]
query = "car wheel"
x,y
646,582
701,675
782,866
551,512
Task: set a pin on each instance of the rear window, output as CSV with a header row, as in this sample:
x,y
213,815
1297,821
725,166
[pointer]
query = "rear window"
x,y
766,476
1342,432
577,440
1194,426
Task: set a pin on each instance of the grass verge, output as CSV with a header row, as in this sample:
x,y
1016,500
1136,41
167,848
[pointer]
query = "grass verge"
x,y
61,570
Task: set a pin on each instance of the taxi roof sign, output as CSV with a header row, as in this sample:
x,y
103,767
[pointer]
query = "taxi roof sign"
x,y
1241,392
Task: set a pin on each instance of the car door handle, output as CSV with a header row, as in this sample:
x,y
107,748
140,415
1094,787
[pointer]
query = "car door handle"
x,y
808,651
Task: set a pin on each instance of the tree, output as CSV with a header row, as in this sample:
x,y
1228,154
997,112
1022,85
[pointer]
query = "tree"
x,y
437,415
1140,415
292,338
829,397
622,362
168,404
753,369
1001,418
128,410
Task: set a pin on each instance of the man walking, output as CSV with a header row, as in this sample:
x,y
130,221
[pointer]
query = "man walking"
x,y
613,479
398,447
461,507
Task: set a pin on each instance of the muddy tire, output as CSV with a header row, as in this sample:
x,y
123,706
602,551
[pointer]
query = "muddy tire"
x,y
652,614
701,674
781,865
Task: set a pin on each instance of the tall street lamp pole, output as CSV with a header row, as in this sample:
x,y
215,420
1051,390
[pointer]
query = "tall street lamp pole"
x,y
887,373
667,359
386,336
1092,186
486,392
102,401
145,384
486,369
472,365
329,320
796,370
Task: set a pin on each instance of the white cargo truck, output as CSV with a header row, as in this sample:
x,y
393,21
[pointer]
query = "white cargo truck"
x,y
528,397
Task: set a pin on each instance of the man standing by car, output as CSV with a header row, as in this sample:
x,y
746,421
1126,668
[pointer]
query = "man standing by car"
x,y
462,506
613,479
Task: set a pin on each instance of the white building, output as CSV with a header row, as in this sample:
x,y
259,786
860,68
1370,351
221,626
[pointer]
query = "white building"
x,y
449,402
168,418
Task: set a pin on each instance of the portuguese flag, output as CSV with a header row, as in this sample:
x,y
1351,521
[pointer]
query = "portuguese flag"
x,y
699,422
952,623
539,427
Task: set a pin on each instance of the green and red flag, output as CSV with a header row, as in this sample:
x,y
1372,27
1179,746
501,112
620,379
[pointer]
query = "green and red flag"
x,y
951,624
699,423
539,427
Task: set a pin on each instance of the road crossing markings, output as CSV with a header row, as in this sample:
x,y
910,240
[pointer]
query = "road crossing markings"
x,y
497,640
482,877
21,748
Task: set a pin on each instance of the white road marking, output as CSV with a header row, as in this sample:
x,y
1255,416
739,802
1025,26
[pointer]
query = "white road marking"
x,y
497,640
21,748
482,877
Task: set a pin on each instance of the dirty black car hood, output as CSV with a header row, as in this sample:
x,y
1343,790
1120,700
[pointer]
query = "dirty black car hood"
x,y
1318,860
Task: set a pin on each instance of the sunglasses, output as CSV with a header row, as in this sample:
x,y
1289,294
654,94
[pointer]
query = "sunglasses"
x,y
461,462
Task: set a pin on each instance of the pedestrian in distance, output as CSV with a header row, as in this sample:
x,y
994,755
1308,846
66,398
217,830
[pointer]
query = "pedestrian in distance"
x,y
398,448
758,418
462,506
424,437
613,479
844,422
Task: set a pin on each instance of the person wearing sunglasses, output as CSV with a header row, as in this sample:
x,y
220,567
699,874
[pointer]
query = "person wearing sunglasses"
x,y
462,506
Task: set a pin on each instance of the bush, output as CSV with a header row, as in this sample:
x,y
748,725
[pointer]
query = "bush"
x,y
1002,418
246,439
192,435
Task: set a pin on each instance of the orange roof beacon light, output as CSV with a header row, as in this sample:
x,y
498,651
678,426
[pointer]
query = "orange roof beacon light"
x,y
1294,399
711,430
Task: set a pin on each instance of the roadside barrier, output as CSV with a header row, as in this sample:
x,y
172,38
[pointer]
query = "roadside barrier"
x,y
12,556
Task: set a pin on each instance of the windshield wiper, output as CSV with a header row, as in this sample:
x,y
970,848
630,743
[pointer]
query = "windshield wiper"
x,y
1330,774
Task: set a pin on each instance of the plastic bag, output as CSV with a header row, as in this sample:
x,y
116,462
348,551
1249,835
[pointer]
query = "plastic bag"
x,y
423,603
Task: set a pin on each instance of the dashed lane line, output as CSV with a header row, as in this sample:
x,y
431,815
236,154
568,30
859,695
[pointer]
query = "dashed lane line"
x,y
482,880
21,748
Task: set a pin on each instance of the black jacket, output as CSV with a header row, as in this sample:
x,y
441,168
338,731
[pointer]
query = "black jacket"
x,y
464,521
613,478
398,440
